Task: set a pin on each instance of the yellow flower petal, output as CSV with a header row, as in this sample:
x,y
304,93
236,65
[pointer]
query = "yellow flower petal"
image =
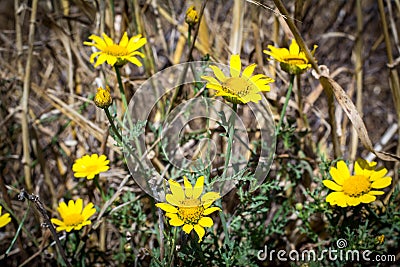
x,y
376,193
211,80
352,201
167,207
235,66
188,187
294,48
5,218
57,221
248,71
367,198
206,222
135,61
176,190
124,40
337,198
332,185
198,187
215,87
208,198
200,231
175,220
88,211
218,73
379,173
107,40
210,210
187,228
381,183
340,173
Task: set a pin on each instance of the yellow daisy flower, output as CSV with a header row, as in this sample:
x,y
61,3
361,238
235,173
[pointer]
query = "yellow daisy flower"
x,y
238,89
73,216
89,166
292,60
187,209
351,190
116,54
5,218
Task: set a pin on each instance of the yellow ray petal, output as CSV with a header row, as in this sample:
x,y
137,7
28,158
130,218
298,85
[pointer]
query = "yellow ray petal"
x,y
198,187
235,65
187,228
206,222
124,40
167,207
188,187
210,210
294,48
200,231
176,190
248,71
218,73
337,198
332,185
381,183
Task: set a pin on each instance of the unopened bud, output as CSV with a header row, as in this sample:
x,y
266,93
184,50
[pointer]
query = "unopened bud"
x,y
103,97
192,17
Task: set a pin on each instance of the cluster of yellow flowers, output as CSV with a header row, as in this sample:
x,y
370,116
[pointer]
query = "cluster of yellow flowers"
x,y
186,207
74,215
241,88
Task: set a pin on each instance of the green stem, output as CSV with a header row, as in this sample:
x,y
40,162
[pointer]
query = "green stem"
x,y
113,127
231,133
96,182
189,35
289,92
121,87
200,252
172,249
224,225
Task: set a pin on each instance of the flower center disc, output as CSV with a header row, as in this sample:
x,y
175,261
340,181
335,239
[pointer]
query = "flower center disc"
x,y
293,60
191,211
237,86
92,168
356,185
73,219
116,50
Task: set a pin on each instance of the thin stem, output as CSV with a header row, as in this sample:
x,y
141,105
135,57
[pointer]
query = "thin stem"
x,y
113,127
289,92
231,133
25,101
39,206
188,39
224,226
96,182
121,87
185,69
200,252
172,249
